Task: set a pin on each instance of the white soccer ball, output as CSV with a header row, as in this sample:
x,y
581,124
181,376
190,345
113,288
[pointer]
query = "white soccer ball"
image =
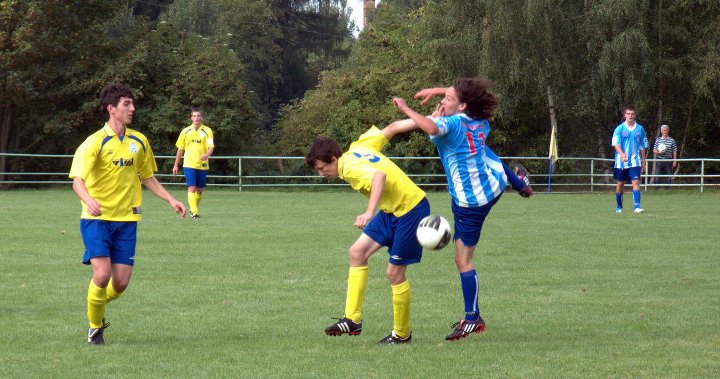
x,y
434,232
661,148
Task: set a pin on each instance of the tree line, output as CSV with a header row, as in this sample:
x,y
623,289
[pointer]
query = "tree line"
x,y
272,74
590,58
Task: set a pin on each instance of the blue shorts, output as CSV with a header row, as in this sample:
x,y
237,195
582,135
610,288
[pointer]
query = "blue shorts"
x,y
194,177
114,239
399,234
469,221
626,175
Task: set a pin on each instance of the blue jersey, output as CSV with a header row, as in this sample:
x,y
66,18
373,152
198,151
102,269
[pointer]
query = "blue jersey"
x,y
631,141
474,173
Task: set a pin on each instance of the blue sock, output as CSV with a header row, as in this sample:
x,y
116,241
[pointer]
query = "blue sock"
x,y
471,289
515,182
636,198
618,199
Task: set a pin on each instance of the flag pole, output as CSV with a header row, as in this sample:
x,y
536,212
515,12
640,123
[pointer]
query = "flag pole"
x,y
552,151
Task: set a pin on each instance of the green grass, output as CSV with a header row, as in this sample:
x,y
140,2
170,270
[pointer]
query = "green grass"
x,y
569,289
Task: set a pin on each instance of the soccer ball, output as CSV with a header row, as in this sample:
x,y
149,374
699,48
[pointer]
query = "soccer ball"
x,y
434,232
661,148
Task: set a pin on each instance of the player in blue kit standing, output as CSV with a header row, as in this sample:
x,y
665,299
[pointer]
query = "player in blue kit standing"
x,y
476,176
629,141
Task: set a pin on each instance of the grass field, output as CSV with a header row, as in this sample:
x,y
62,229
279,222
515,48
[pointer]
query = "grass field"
x,y
569,289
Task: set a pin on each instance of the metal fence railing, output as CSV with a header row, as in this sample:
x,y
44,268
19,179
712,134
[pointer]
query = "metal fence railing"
x,y
572,174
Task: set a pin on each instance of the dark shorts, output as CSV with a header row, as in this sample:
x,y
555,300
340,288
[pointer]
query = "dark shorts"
x,y
399,233
469,221
626,175
194,177
114,239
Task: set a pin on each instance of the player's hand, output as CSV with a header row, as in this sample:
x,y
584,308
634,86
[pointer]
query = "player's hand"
x,y
179,208
94,208
623,157
399,103
175,170
362,220
425,95
204,157
438,112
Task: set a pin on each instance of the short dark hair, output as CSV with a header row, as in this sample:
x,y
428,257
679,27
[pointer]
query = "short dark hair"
x,y
196,109
111,95
629,107
474,92
323,149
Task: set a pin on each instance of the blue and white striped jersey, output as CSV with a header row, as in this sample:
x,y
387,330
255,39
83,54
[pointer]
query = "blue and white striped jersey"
x,y
474,173
631,140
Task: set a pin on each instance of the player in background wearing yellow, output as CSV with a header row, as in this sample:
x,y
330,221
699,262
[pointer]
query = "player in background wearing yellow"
x,y
196,145
107,170
401,205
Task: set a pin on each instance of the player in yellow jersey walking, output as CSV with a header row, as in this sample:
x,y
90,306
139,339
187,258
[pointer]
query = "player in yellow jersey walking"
x,y
196,145
402,205
105,172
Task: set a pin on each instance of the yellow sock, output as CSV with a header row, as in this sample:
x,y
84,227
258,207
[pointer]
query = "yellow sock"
x,y
192,202
401,309
198,197
357,283
96,298
111,293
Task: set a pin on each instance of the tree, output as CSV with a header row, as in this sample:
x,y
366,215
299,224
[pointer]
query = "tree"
x,y
46,50
283,43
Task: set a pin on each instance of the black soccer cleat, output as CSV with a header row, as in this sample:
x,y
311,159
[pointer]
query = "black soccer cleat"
x,y
95,335
344,325
463,328
194,215
393,339
523,175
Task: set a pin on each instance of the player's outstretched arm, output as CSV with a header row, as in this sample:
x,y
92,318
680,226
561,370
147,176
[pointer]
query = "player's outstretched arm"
x,y
155,187
425,124
399,127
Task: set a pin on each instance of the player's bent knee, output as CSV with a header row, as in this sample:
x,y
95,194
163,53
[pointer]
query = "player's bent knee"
x,y
358,254
120,286
101,278
395,274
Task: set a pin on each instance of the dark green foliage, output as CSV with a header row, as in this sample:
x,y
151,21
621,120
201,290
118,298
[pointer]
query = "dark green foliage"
x,y
593,57
238,60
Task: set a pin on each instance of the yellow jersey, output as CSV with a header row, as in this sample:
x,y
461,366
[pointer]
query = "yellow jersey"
x,y
358,165
112,170
195,143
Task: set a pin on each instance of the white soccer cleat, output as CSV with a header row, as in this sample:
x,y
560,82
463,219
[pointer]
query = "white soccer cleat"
x,y
639,210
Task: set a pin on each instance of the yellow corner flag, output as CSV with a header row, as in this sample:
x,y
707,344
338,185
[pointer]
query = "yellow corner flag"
x,y
553,151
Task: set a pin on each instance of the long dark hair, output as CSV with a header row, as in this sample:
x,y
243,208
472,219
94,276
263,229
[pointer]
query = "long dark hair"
x,y
474,92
